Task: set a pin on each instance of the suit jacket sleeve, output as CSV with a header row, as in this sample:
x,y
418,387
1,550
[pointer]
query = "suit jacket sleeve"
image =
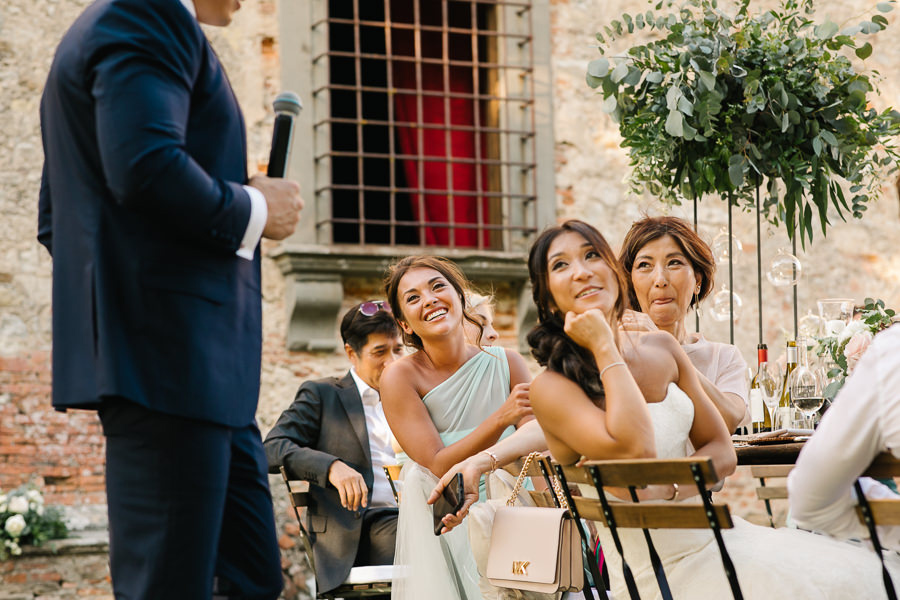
x,y
143,63
45,213
293,439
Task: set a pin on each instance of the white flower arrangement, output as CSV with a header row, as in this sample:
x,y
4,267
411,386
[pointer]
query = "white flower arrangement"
x,y
24,520
844,344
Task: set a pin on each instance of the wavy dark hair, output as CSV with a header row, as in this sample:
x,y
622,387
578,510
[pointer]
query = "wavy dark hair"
x,y
449,270
692,245
550,345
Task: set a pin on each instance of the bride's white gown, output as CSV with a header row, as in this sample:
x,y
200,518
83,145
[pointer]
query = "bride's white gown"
x,y
771,563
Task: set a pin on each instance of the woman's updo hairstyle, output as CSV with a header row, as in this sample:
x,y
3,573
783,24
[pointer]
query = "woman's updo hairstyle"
x,y
550,345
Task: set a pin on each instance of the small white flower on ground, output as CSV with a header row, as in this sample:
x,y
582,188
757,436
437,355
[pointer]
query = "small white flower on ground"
x,y
34,496
18,504
15,525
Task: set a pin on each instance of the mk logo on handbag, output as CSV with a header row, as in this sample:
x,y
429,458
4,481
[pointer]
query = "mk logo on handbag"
x,y
520,567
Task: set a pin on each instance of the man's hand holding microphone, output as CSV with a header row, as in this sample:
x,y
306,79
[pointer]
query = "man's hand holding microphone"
x,y
282,195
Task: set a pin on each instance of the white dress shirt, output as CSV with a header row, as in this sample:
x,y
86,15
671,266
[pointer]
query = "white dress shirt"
x,y
863,421
259,210
379,442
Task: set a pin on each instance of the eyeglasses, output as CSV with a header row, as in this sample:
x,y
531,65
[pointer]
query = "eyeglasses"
x,y
371,307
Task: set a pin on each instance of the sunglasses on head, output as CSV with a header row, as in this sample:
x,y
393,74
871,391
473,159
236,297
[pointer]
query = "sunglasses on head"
x,y
371,307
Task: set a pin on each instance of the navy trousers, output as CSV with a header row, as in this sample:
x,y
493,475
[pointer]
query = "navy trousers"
x,y
188,502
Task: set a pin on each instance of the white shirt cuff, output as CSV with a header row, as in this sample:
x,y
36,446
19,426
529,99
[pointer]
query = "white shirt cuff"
x,y
259,212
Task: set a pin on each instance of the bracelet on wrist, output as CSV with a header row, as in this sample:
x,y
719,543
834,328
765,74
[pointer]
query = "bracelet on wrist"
x,y
675,494
618,363
495,462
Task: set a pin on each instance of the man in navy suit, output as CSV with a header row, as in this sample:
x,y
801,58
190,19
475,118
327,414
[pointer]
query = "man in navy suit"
x,y
154,229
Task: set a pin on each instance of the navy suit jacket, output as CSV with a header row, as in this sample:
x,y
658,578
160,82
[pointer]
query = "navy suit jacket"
x,y
142,208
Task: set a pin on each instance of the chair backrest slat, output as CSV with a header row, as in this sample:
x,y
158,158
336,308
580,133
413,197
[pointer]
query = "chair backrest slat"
x,y
654,516
766,471
885,512
643,472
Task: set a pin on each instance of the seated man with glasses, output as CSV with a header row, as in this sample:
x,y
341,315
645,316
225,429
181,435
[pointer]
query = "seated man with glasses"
x,y
335,436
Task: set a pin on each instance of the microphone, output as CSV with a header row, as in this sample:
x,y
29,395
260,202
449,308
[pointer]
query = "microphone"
x,y
287,105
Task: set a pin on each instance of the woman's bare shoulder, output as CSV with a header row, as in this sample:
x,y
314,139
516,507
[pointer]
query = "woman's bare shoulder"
x,y
403,371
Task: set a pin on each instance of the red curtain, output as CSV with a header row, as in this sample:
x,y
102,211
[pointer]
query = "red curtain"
x,y
433,175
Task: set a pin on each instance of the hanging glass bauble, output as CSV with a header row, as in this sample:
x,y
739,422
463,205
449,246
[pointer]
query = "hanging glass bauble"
x,y
720,248
721,308
784,269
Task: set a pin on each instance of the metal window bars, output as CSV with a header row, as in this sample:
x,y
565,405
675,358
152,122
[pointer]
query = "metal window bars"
x,y
424,124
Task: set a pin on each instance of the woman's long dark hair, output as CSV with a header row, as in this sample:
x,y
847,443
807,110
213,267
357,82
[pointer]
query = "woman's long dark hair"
x,y
550,345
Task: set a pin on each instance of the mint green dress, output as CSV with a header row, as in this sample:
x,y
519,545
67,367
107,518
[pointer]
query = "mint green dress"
x,y
442,567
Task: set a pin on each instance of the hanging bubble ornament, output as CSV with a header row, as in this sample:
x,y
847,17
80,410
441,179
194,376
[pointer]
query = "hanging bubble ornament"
x,y
721,309
784,269
720,248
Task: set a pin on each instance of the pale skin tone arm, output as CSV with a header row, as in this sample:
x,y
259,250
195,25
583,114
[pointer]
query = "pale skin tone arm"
x,y
284,204
731,406
409,419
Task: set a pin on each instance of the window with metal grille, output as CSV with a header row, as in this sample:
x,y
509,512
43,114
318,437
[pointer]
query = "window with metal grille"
x,y
424,123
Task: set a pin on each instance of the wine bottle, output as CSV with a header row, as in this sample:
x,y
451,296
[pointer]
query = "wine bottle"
x,y
785,409
759,415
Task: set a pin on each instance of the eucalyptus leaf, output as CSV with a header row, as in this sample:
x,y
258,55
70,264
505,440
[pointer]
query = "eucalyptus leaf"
x,y
708,79
609,104
675,124
885,6
598,67
619,72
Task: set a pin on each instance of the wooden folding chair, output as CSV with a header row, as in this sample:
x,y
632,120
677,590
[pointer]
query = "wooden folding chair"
x,y
638,473
879,512
768,492
392,472
362,581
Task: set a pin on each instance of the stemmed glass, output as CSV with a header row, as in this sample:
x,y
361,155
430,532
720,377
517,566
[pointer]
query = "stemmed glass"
x,y
807,387
770,383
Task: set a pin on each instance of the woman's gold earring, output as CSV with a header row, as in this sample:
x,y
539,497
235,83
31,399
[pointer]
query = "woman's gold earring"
x,y
697,303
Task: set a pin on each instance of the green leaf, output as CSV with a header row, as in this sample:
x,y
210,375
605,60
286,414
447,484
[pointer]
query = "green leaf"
x,y
685,106
673,94
619,72
885,6
708,79
675,124
828,137
865,51
825,30
817,145
654,77
610,104
598,67
736,170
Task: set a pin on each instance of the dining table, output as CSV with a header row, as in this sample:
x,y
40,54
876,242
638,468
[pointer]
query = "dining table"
x,y
774,452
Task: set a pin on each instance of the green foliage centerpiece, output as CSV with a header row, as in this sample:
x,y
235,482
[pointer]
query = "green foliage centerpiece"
x,y
720,103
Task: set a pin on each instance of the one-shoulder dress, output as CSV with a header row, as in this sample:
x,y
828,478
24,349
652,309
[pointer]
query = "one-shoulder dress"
x,y
442,567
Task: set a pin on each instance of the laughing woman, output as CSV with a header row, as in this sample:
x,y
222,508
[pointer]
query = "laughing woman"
x,y
445,402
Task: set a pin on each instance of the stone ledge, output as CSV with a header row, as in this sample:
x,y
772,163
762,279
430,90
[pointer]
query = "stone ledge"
x,y
80,542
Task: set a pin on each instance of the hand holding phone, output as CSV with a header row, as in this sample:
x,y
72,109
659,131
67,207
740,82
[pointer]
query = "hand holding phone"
x,y
449,503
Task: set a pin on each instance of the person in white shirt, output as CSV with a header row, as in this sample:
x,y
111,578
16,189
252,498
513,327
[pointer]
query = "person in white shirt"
x,y
862,422
335,436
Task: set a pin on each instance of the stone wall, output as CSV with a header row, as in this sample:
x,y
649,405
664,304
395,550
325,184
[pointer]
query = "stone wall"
x,y
65,451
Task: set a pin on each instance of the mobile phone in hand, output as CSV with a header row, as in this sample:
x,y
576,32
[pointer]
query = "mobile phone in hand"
x,y
449,502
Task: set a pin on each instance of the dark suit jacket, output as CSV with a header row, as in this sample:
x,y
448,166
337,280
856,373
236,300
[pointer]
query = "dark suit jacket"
x,y
325,423
142,208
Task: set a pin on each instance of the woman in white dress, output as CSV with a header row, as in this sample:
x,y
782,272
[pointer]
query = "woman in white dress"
x,y
603,396
445,402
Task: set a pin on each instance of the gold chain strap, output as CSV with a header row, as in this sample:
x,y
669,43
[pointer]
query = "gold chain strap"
x,y
557,489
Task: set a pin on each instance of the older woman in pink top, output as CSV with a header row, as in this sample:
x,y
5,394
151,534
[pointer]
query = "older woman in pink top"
x,y
670,270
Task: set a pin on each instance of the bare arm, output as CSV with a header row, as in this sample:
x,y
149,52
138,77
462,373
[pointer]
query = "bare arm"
x,y
708,434
412,425
527,439
573,425
731,406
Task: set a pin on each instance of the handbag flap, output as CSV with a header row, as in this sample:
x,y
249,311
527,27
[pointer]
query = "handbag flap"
x,y
525,544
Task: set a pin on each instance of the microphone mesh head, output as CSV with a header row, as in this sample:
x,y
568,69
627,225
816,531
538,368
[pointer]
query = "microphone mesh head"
x,y
287,102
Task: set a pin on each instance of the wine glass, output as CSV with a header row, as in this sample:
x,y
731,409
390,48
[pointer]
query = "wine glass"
x,y
770,384
808,391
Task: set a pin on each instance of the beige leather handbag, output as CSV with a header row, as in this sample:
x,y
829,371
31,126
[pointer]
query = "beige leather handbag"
x,y
534,548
